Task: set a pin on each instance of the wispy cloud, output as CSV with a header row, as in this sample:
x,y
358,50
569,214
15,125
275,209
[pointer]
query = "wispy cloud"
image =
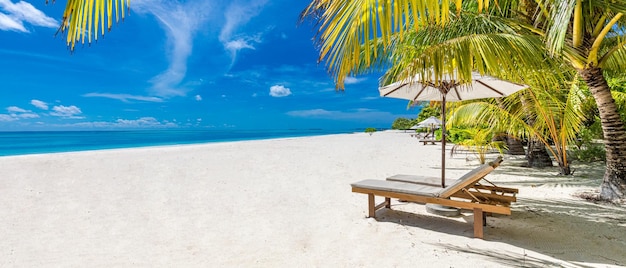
x,y
238,14
17,113
123,97
39,104
180,21
6,118
71,112
143,122
363,114
15,109
350,80
13,16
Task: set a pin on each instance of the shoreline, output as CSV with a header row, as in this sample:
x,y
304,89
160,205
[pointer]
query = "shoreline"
x,y
71,142
286,202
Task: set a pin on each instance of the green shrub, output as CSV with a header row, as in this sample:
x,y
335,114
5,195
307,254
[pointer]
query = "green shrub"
x,y
401,123
586,150
456,135
370,130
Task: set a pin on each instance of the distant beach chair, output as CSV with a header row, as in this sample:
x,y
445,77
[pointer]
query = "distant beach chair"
x,y
465,193
431,141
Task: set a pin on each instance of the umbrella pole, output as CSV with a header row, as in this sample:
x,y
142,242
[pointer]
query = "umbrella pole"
x,y
443,141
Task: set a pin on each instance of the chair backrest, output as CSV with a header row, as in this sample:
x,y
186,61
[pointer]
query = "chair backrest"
x,y
470,178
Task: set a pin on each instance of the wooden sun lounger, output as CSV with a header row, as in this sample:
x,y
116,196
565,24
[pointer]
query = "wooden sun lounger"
x,y
465,193
426,141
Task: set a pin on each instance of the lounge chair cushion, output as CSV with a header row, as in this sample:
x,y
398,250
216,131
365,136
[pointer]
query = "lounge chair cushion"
x,y
398,187
469,179
430,181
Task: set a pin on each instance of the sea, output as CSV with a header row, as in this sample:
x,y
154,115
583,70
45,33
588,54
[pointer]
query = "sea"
x,y
38,142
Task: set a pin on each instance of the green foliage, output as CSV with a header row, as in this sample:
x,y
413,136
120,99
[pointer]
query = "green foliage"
x,y
370,130
438,135
402,123
480,143
457,134
428,111
585,150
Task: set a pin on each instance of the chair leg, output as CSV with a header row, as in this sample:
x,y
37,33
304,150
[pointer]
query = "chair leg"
x,y
484,219
479,220
387,202
371,206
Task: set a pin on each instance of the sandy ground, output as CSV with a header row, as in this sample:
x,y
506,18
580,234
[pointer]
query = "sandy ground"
x,y
287,203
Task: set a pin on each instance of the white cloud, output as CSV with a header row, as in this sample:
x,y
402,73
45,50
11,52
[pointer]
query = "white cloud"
x,y
238,14
28,115
180,22
310,113
363,114
141,122
123,97
15,109
349,80
10,24
13,16
6,118
279,91
39,104
16,113
66,111
236,45
198,97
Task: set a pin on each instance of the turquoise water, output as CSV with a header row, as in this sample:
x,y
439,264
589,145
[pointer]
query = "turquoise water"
x,y
35,142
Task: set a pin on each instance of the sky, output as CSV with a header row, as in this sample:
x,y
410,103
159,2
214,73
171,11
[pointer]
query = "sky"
x,y
205,64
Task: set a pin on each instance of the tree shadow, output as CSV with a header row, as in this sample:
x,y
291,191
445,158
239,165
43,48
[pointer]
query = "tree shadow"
x,y
573,231
507,258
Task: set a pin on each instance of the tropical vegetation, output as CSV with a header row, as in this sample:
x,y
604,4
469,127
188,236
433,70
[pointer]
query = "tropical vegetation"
x,y
516,40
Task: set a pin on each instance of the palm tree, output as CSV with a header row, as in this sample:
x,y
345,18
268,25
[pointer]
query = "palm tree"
x,y
481,143
86,18
586,35
549,116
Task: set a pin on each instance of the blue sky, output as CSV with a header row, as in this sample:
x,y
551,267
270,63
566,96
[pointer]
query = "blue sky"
x,y
194,64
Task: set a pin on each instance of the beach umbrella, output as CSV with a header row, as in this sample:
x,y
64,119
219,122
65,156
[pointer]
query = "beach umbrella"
x,y
448,88
430,122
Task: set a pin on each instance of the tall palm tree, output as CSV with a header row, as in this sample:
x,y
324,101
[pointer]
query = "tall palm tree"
x,y
586,35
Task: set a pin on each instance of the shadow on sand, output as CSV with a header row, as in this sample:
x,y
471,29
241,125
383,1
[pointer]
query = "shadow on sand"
x,y
578,232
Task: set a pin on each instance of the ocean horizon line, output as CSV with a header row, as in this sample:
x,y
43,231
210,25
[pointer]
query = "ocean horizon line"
x,y
13,143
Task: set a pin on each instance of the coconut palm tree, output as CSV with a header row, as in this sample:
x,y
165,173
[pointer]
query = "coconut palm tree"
x,y
586,35
481,143
549,116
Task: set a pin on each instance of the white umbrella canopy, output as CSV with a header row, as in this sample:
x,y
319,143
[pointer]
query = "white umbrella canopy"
x,y
430,122
480,87
448,88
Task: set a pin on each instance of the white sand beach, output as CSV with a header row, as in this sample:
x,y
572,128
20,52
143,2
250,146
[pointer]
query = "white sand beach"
x,y
287,203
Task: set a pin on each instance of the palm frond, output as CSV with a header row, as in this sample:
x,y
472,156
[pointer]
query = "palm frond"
x,y
86,19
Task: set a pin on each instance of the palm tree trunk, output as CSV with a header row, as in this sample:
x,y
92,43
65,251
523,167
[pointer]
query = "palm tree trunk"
x,y
515,146
537,154
614,182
